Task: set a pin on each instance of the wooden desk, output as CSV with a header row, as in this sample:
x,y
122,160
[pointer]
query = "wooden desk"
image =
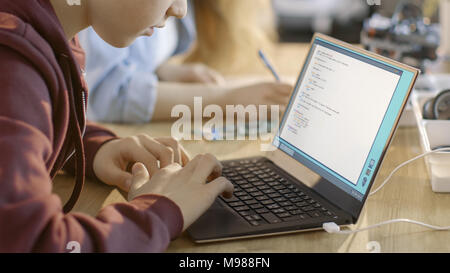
x,y
407,195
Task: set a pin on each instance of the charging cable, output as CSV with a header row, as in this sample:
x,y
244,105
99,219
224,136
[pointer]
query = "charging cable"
x,y
443,149
332,227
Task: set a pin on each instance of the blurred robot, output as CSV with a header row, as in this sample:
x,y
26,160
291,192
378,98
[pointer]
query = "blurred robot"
x,y
408,36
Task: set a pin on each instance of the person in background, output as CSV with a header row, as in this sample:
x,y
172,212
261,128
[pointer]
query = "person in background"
x,y
231,33
138,84
43,129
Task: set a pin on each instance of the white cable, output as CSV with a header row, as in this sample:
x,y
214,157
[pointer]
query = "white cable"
x,y
447,149
332,227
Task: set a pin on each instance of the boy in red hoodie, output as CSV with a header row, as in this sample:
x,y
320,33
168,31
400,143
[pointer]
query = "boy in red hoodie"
x,y
43,129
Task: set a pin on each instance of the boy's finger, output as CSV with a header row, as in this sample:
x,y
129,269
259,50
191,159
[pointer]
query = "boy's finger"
x,y
208,168
185,157
163,153
222,186
136,153
121,179
203,168
140,175
175,147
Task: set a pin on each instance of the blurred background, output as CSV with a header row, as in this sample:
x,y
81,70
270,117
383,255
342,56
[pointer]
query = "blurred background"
x,y
405,30
298,19
409,31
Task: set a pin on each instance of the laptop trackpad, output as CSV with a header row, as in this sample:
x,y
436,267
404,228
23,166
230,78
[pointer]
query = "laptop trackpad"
x,y
216,222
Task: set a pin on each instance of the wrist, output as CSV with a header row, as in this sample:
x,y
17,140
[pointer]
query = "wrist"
x,y
98,159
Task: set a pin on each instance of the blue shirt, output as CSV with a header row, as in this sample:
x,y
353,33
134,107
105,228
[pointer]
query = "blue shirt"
x,y
122,81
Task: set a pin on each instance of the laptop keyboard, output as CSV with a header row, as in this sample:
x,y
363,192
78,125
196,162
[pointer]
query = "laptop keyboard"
x,y
262,196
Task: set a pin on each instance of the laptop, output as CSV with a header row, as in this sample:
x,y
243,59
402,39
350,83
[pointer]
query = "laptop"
x,y
330,144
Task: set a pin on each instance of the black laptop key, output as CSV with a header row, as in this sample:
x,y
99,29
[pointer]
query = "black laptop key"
x,y
274,195
272,184
291,195
279,211
307,208
296,199
285,191
253,217
299,217
263,187
251,202
240,193
240,182
271,218
263,210
228,200
290,208
256,206
246,212
273,206
236,204
267,202
256,193
314,214
279,187
245,197
284,215
296,211
261,198
285,204
241,208
280,199
301,204
255,223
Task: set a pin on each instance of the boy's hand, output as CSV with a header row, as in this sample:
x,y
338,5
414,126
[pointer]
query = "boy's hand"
x,y
187,186
192,73
114,157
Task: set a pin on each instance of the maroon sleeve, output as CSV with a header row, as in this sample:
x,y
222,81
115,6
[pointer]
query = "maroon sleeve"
x,y
31,215
94,137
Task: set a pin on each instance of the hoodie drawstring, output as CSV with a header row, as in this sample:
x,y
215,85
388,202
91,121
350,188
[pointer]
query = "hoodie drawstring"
x,y
74,132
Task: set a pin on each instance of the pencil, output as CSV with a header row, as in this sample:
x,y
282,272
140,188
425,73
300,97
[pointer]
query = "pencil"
x,y
268,65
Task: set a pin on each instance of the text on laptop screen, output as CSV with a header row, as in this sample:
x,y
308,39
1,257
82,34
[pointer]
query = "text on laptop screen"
x,y
341,114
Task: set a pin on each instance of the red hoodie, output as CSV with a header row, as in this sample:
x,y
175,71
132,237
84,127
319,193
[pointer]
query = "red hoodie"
x,y
43,129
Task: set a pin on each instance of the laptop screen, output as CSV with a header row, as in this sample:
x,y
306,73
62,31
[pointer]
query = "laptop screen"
x,y
341,114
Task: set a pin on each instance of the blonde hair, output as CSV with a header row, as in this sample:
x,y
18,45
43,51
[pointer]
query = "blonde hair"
x,y
230,32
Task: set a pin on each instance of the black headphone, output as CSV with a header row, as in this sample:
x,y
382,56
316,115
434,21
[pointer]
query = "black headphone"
x,y
438,107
